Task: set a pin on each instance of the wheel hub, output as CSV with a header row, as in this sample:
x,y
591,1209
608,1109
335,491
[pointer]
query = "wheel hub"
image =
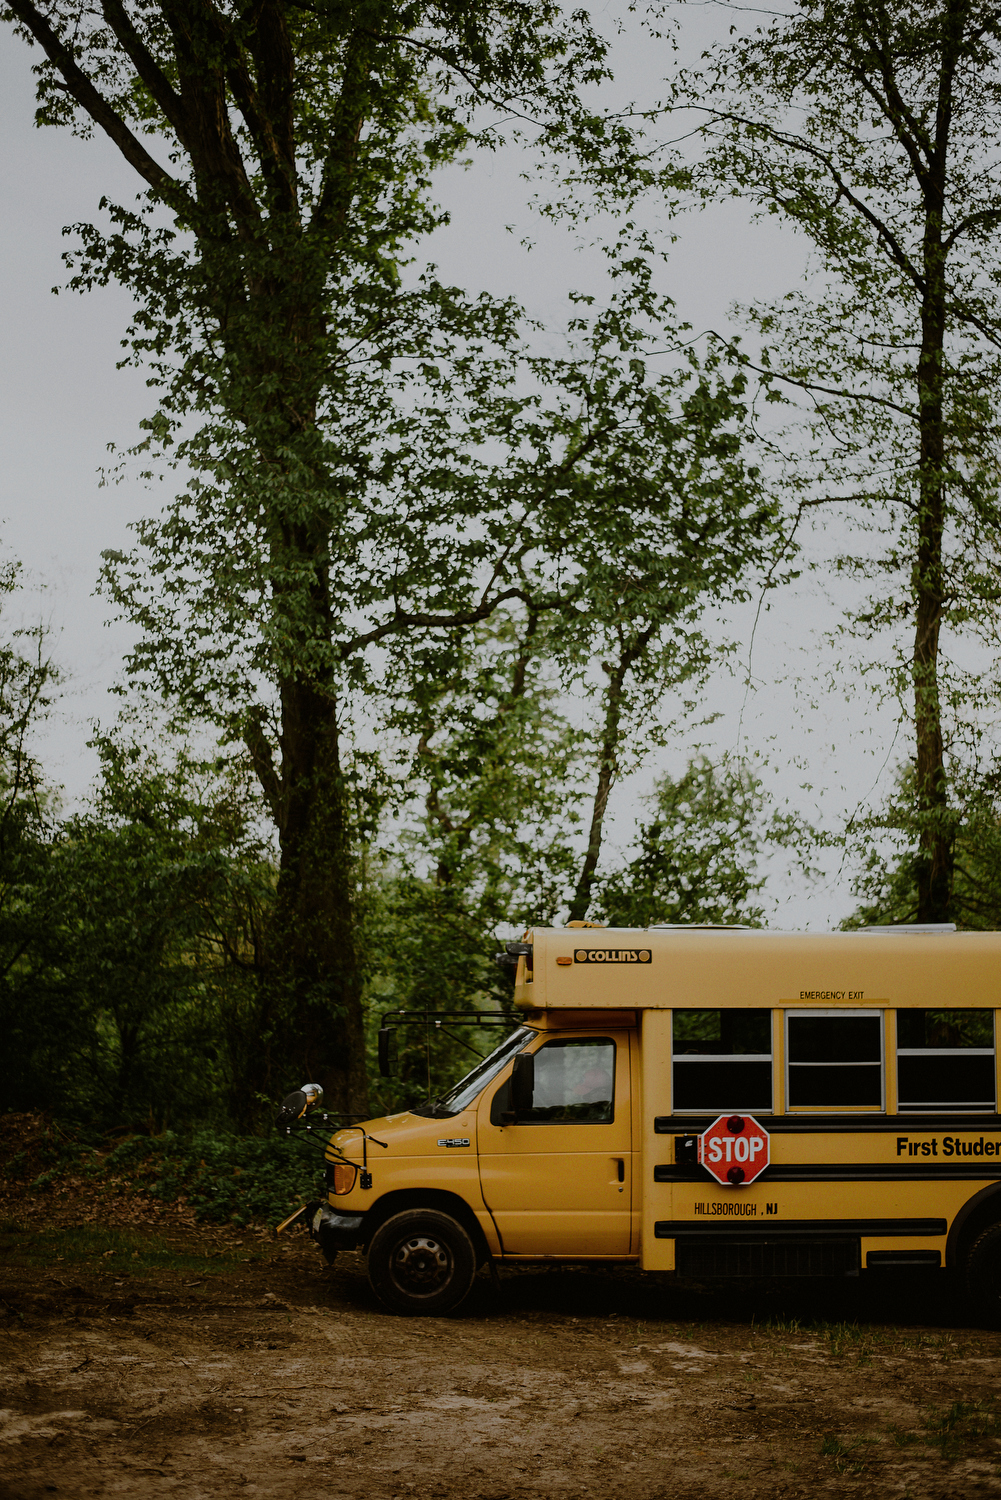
x,y
421,1264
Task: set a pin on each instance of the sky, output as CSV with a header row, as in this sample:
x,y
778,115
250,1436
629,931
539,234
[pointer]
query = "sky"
x,y
63,402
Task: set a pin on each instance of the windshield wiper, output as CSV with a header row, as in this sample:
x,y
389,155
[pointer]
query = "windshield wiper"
x,y
435,1111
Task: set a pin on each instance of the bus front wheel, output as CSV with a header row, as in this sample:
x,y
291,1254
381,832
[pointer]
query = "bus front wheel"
x,y
983,1276
422,1262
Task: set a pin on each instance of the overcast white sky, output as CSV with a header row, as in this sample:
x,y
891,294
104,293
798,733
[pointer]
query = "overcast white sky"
x,y
62,402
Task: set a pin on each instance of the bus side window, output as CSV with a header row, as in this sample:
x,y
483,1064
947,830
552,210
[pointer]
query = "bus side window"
x,y
945,1059
722,1060
835,1059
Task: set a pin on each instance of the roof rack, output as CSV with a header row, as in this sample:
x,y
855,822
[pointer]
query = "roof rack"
x,y
919,927
701,927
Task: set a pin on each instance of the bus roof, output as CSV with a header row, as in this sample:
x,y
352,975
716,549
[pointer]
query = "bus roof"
x,y
712,967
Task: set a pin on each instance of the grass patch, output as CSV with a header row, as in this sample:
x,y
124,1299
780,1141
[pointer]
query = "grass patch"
x,y
847,1459
942,1344
846,1339
122,1251
951,1430
781,1325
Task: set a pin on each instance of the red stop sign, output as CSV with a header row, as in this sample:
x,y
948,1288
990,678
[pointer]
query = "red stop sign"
x,y
734,1149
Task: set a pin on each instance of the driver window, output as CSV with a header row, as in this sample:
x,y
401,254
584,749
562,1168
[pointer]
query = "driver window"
x,y
574,1083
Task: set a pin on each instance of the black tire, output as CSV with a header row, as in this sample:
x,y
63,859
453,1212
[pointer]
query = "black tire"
x,y
982,1275
421,1262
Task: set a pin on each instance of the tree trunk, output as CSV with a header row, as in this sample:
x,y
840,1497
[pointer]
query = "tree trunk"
x,y
313,959
935,860
313,982
935,850
607,767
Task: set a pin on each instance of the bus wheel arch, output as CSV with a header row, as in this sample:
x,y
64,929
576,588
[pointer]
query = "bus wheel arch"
x,y
977,1214
982,1276
432,1199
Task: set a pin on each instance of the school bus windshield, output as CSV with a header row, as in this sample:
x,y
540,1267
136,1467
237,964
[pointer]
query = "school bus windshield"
x,y
465,1091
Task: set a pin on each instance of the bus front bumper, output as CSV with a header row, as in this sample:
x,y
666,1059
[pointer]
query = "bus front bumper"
x,y
336,1231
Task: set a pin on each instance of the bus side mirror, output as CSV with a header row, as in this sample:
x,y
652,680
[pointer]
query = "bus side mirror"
x,y
387,1051
298,1105
523,1083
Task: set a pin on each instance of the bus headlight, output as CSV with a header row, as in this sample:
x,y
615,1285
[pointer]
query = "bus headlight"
x,y
343,1178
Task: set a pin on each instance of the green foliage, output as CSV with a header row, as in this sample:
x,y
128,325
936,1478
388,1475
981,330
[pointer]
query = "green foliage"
x,y
486,846
379,462
225,1178
140,962
869,130
698,859
888,881
29,897
382,527
430,947
434,475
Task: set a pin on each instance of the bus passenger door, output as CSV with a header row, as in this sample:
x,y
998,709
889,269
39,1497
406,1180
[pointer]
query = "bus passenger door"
x,y
558,1179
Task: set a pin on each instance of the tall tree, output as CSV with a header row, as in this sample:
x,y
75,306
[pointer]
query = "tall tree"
x,y
872,129
285,152
647,513
710,536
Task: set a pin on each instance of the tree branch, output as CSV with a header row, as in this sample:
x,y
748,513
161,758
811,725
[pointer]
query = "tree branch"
x,y
263,762
884,234
338,169
403,621
97,107
986,217
146,66
891,105
830,390
213,149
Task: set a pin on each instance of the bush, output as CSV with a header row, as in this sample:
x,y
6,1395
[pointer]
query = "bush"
x,y
225,1178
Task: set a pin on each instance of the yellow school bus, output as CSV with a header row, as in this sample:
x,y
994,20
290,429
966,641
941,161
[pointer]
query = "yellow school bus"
x,y
854,1076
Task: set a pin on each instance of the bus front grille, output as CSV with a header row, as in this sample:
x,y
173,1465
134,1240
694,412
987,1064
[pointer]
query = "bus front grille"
x,y
717,1256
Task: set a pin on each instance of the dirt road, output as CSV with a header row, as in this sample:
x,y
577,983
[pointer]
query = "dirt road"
x,y
217,1365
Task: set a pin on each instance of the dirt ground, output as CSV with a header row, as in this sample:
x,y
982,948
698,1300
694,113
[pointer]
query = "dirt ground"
x,y
143,1356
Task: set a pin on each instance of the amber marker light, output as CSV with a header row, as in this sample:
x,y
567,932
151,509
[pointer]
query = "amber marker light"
x,y
564,962
344,1178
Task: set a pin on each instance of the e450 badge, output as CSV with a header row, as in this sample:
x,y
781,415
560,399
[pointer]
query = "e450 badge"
x,y
454,1140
